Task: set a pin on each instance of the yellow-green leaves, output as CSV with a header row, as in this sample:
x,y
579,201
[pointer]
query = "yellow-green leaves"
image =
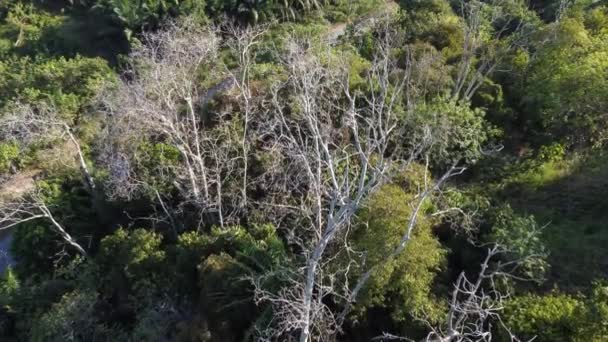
x,y
403,284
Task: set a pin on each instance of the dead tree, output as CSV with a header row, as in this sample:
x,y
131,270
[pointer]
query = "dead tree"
x,y
157,101
484,46
476,302
330,147
339,169
242,42
27,124
32,207
162,100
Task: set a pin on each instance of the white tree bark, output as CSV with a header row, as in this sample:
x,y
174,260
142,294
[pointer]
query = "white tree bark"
x,y
27,124
149,106
481,55
335,143
326,147
32,207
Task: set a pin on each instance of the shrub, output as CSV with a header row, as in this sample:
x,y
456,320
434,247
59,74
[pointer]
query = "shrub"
x,y
522,237
136,255
554,317
68,84
409,276
72,319
9,152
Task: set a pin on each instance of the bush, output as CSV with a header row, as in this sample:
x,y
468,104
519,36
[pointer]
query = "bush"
x,y
552,153
458,130
565,90
522,237
235,256
72,319
33,243
408,277
9,152
9,284
138,257
68,84
560,317
553,317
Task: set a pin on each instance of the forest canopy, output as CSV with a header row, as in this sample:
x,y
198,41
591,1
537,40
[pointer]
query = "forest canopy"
x,y
303,170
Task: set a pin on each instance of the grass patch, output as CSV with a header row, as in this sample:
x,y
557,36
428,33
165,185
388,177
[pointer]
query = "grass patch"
x,y
569,198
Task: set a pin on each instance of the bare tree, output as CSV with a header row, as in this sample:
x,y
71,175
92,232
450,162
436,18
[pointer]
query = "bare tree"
x,y
32,207
331,149
484,44
157,101
27,124
476,303
242,42
338,168
324,146
162,100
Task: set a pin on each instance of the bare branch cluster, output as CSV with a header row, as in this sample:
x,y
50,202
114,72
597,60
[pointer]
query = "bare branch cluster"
x,y
27,124
161,100
476,303
484,45
331,149
320,146
32,207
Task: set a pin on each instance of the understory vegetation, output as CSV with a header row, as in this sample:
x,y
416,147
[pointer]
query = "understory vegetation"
x,y
304,170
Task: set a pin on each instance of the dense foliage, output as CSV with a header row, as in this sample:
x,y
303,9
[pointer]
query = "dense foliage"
x,y
332,170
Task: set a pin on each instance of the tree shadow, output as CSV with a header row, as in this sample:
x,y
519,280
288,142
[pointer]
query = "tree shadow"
x,y
574,210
